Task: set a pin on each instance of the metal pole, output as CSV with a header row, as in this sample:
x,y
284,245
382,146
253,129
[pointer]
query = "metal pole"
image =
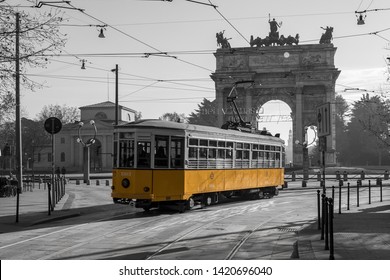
x,y
348,193
369,191
380,186
339,199
53,200
323,216
331,251
319,209
326,224
18,125
116,95
357,193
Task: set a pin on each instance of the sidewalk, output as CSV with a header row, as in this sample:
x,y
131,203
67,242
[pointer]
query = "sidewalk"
x,y
34,208
361,233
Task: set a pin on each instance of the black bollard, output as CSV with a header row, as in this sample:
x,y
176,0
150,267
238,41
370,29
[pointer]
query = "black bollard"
x,y
332,192
369,191
380,190
348,196
49,198
331,245
357,192
339,199
323,216
319,209
293,176
326,225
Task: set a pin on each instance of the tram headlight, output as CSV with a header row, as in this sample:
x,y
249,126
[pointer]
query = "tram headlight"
x,y
125,183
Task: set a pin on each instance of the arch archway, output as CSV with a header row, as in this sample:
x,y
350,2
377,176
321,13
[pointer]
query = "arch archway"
x,y
304,79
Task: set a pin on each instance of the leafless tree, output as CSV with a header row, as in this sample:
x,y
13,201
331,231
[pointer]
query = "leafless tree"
x,y
39,38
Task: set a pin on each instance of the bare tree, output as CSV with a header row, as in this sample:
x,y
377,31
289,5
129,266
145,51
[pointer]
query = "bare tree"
x,y
64,113
39,37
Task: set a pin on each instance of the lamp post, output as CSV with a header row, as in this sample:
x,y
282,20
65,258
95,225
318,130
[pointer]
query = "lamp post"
x,y
86,145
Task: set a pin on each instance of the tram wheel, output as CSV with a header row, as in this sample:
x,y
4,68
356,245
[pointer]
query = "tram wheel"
x,y
190,203
146,208
208,200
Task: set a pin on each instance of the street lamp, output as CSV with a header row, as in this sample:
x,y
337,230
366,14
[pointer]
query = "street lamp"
x,y
86,145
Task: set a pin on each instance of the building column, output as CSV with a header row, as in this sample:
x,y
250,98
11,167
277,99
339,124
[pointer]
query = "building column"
x,y
298,133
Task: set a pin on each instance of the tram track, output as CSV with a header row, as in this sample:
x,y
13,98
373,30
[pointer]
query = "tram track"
x,y
215,232
79,227
194,233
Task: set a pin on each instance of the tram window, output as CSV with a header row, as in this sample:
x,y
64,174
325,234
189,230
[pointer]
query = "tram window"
x,y
239,145
212,153
245,155
278,148
115,163
221,144
194,142
202,152
177,152
161,151
267,148
126,135
262,147
229,144
143,154
221,153
213,143
247,146
203,142
255,146
229,154
272,148
126,153
239,154
193,153
255,155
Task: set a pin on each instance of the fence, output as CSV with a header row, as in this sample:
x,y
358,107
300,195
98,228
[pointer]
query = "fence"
x,y
325,205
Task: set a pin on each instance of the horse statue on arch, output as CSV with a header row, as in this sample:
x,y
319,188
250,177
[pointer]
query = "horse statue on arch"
x,y
327,37
222,41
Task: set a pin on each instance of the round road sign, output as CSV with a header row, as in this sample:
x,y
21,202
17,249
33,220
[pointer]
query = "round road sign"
x,y
53,125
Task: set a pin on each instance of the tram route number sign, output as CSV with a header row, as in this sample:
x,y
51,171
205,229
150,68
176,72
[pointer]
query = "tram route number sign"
x,y
324,120
53,125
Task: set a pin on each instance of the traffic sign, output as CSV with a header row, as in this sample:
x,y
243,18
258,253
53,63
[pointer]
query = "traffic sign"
x,y
324,120
53,125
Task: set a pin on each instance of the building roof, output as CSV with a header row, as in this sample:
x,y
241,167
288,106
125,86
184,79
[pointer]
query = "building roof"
x,y
106,104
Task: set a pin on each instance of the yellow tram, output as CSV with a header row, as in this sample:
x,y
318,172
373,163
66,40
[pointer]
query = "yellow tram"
x,y
159,162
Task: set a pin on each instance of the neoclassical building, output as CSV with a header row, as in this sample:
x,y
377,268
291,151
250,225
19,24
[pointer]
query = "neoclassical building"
x,y
69,152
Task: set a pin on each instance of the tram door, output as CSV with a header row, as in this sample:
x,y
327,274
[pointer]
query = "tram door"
x,y
144,178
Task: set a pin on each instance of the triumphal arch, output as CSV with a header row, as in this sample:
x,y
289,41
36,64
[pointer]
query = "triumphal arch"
x,y
303,76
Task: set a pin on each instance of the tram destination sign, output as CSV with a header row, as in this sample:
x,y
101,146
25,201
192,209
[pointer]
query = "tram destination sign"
x,y
324,120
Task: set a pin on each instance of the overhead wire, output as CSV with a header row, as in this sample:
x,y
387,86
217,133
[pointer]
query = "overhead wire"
x,y
215,8
140,41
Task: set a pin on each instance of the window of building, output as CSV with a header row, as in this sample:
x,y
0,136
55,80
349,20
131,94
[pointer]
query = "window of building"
x,y
62,157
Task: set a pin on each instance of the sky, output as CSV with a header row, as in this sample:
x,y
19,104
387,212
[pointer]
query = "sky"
x,y
185,31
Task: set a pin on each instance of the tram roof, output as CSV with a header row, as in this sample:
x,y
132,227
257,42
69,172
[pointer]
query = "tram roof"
x,y
161,124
